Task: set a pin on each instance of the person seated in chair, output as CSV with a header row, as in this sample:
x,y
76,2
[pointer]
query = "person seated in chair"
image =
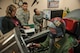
x,y
58,41
10,21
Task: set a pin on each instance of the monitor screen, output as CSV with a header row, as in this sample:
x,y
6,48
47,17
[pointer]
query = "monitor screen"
x,y
56,13
49,14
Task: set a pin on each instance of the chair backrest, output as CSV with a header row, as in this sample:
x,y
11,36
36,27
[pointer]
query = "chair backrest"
x,y
1,34
4,37
70,24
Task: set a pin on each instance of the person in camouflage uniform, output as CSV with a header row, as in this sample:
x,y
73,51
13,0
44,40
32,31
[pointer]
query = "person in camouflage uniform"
x,y
23,14
38,19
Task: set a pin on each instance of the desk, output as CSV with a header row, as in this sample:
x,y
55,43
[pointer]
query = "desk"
x,y
32,28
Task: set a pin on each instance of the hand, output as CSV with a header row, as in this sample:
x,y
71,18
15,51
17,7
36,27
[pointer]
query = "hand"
x,y
36,45
41,25
33,45
26,27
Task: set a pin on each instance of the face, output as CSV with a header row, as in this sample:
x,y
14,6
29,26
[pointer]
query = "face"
x,y
13,12
37,12
24,6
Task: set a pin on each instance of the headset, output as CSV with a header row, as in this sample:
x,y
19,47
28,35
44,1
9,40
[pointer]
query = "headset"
x,y
10,9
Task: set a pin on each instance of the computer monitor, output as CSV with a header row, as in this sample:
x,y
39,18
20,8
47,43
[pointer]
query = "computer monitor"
x,y
56,13
49,14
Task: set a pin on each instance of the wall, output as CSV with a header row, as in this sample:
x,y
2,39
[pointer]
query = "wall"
x,y
42,5
3,5
72,4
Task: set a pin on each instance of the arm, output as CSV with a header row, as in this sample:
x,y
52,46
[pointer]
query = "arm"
x,y
28,15
66,49
42,45
35,21
19,14
70,43
41,16
45,43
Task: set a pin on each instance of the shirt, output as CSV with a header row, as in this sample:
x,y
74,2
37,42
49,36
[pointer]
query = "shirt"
x,y
23,16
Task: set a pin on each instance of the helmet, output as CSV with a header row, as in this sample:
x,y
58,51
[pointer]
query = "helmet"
x,y
57,26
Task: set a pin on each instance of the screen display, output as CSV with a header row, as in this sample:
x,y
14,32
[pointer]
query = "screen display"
x,y
47,14
56,13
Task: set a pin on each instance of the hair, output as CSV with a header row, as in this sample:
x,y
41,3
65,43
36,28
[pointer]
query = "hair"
x,y
25,3
9,9
35,10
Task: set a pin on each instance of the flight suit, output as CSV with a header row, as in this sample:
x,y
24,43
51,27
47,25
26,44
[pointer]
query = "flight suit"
x,y
61,46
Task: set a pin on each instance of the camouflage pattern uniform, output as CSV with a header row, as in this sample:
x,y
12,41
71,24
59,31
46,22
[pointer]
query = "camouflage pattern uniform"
x,y
23,16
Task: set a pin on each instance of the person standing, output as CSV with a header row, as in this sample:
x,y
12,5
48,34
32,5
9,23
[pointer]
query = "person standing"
x,y
23,14
38,19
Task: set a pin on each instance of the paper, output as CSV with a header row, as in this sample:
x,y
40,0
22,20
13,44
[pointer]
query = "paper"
x,y
29,30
